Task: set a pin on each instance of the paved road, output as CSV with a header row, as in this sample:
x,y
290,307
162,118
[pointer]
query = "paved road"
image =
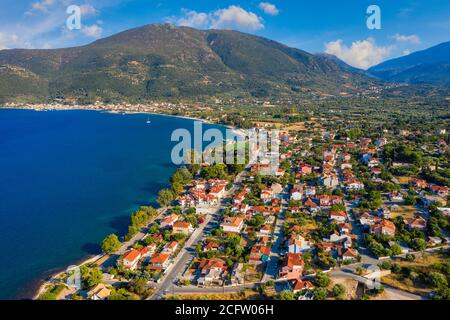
x,y
272,264
403,295
366,257
206,290
187,254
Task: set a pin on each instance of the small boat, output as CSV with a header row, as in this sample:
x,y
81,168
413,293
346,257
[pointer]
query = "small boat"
x,y
148,121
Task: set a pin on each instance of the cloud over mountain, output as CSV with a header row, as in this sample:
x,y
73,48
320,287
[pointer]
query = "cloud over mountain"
x,y
361,54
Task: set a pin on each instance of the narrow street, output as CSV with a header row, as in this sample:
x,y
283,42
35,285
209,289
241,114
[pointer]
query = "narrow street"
x,y
274,258
188,253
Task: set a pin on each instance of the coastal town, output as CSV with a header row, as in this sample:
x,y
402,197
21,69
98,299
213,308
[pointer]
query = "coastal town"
x,y
347,215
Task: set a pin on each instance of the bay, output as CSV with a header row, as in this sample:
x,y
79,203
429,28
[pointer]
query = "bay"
x,y
67,179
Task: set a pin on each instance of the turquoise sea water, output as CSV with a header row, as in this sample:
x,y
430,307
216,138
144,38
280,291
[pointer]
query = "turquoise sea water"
x,y
67,179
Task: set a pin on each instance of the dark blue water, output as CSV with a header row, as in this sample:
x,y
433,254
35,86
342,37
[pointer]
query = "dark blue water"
x,y
67,179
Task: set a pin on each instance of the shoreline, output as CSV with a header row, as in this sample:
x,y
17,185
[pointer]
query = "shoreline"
x,y
38,286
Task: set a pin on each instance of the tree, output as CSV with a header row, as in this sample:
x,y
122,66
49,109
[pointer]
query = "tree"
x,y
122,294
320,293
138,286
322,280
286,295
396,249
165,197
438,280
93,277
419,244
339,291
110,244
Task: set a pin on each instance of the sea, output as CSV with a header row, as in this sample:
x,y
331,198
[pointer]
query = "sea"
x,y
68,179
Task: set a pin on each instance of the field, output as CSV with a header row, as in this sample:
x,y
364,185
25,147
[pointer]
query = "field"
x,y
242,295
404,211
422,265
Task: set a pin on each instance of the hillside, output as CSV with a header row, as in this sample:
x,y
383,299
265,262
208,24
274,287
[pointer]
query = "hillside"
x,y
163,61
430,66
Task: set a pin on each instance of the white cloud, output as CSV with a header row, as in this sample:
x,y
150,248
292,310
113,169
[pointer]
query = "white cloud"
x,y
194,19
404,38
233,17
41,6
362,54
93,31
88,10
269,8
11,40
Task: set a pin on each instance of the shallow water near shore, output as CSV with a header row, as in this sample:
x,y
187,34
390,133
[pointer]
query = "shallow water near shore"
x,y
67,179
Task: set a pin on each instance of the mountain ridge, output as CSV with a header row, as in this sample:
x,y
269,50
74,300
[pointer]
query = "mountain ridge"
x,y
428,66
164,61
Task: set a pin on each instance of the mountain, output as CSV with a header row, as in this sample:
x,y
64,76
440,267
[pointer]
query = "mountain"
x,y
163,61
430,66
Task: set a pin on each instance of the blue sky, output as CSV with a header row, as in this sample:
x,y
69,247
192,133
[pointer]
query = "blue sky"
x,y
336,27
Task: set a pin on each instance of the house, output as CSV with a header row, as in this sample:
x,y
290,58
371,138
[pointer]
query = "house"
x,y
259,254
169,221
311,206
346,165
159,261
376,171
338,216
337,237
418,183
345,156
151,248
182,228
265,231
381,142
297,244
434,241
345,227
384,227
349,254
374,162
276,188
310,191
367,219
396,196
299,285
330,181
99,292
233,224
297,193
266,195
171,247
305,169
416,223
131,259
445,211
217,191
211,271
210,246
203,199
292,267
186,201
428,200
439,190
239,198
266,210
354,185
